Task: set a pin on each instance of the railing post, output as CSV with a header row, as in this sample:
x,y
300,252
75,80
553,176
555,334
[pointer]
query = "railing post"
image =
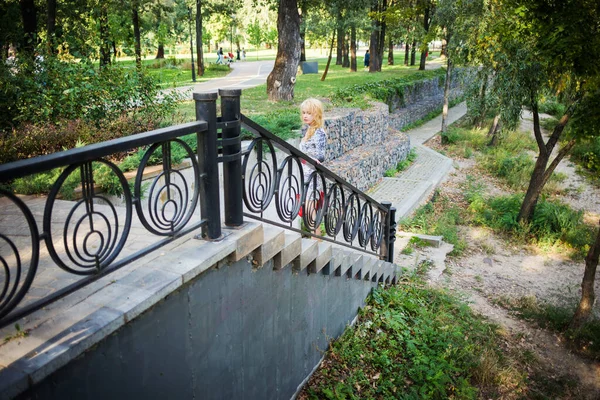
x,y
392,237
389,236
232,165
210,208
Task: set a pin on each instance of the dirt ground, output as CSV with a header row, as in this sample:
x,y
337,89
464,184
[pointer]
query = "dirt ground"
x,y
491,270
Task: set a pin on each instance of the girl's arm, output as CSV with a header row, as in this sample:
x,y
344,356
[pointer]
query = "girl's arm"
x,y
321,143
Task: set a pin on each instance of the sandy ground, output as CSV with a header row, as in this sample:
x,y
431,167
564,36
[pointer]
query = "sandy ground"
x,y
491,270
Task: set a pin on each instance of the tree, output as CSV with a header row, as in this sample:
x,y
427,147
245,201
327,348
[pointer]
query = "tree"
x,y
255,35
584,309
282,79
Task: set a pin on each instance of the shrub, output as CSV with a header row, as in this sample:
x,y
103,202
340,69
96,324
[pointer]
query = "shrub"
x,y
49,91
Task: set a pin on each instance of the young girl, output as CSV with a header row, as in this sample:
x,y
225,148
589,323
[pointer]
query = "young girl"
x,y
314,140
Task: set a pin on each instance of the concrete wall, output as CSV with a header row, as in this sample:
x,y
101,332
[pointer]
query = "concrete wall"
x,y
233,332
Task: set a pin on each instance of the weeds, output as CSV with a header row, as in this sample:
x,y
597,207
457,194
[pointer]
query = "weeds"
x,y
413,342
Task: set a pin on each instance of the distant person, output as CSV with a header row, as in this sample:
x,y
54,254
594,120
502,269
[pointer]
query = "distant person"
x,y
367,58
230,54
220,56
238,54
243,54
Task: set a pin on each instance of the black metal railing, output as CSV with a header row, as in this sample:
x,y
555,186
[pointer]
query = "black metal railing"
x,y
88,237
276,191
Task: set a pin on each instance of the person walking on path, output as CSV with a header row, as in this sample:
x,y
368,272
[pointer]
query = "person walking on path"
x,y
220,56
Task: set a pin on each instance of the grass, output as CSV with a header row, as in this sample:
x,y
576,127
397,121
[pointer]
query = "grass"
x,y
440,216
255,103
414,342
174,72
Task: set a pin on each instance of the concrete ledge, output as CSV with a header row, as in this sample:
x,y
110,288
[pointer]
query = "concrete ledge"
x,y
435,241
72,325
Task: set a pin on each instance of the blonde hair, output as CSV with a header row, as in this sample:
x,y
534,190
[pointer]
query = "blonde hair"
x,y
315,108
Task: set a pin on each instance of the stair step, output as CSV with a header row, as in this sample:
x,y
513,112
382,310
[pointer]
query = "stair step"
x,y
274,242
324,254
307,255
291,250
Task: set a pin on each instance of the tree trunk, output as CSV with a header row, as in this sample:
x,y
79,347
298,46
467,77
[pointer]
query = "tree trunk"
x,y
353,66
426,23
446,100
406,52
29,19
346,60
391,52
281,81
413,52
135,18
444,51
104,31
199,50
584,309
483,109
51,25
160,52
340,41
303,31
375,61
541,174
493,132
329,58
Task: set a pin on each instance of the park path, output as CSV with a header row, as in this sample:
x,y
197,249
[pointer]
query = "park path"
x,y
243,75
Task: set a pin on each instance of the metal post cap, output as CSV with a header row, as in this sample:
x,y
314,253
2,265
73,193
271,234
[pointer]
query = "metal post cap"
x,y
205,96
230,92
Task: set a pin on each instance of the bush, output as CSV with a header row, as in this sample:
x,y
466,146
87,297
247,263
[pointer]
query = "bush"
x,y
552,222
31,140
550,105
587,154
48,90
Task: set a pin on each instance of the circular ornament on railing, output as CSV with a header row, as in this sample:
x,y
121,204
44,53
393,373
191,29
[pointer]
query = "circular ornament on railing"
x,y
17,277
314,200
351,217
334,206
92,235
259,182
169,203
377,225
364,228
290,183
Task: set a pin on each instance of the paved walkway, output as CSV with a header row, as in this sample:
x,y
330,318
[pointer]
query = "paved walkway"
x,y
243,75
411,187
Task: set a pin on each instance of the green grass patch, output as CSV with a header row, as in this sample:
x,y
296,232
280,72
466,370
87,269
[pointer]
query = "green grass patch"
x,y
402,165
412,342
255,103
175,72
554,225
440,217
